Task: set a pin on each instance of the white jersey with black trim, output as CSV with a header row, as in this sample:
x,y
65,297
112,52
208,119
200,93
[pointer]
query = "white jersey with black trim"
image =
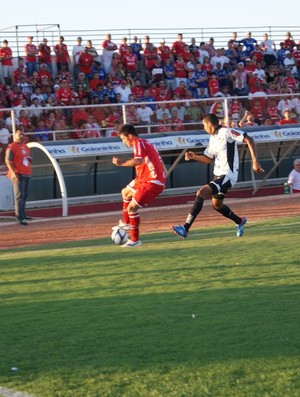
x,y
222,148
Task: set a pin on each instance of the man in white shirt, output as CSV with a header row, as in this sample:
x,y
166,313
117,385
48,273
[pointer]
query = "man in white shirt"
x,y
77,50
145,113
123,90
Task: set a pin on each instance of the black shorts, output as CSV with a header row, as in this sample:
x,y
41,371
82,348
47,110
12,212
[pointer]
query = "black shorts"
x,y
219,186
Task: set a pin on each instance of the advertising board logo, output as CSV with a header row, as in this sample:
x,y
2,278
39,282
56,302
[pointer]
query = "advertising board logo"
x,y
75,149
278,134
181,140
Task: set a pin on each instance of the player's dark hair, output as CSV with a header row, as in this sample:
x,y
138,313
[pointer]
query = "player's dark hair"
x,y
211,118
127,129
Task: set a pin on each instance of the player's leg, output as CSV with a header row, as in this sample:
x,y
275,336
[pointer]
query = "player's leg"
x,y
220,186
143,196
202,194
127,194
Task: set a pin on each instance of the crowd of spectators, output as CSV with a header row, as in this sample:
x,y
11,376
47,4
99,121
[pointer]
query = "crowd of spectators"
x,y
49,80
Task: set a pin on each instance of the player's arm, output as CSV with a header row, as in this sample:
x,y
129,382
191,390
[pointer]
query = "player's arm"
x,y
127,163
252,149
201,158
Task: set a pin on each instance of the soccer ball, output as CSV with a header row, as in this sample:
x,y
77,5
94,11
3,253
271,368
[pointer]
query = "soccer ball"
x,y
119,236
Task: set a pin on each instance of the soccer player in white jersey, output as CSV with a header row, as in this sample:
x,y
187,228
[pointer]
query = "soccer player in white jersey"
x,y
222,149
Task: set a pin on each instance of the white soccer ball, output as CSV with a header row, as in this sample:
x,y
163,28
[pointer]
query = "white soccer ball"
x,y
119,236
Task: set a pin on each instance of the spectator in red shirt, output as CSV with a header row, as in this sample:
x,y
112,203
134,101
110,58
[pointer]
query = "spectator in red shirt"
x,y
178,46
287,119
62,55
6,59
44,52
31,51
85,62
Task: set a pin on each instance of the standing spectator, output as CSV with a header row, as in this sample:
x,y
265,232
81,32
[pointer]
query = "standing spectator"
x,y
210,48
257,54
201,77
107,54
62,54
6,59
123,48
136,49
178,46
31,52
85,63
180,70
169,74
18,161
164,51
222,149
202,53
149,182
268,48
294,177
280,54
249,42
44,52
130,62
289,43
213,85
77,50
290,63
92,50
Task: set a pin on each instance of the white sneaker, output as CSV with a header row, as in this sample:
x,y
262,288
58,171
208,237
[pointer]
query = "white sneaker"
x,y
122,225
130,244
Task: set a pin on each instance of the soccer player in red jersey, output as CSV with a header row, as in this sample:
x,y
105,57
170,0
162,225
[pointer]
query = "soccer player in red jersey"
x,y
149,182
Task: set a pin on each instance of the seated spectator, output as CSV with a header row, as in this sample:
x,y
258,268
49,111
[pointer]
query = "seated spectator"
x,y
61,130
182,90
180,111
284,104
145,114
165,123
288,118
235,109
110,92
271,111
78,114
97,68
213,85
123,90
92,128
247,120
80,130
148,98
194,113
25,121
132,116
42,131
289,81
176,121
162,108
95,81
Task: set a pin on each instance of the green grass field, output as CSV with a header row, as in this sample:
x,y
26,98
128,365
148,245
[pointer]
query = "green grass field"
x,y
212,315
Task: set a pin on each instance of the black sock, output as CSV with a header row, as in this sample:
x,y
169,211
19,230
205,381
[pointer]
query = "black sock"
x,y
197,207
226,211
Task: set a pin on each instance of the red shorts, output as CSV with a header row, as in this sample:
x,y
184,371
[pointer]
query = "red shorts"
x,y
145,192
